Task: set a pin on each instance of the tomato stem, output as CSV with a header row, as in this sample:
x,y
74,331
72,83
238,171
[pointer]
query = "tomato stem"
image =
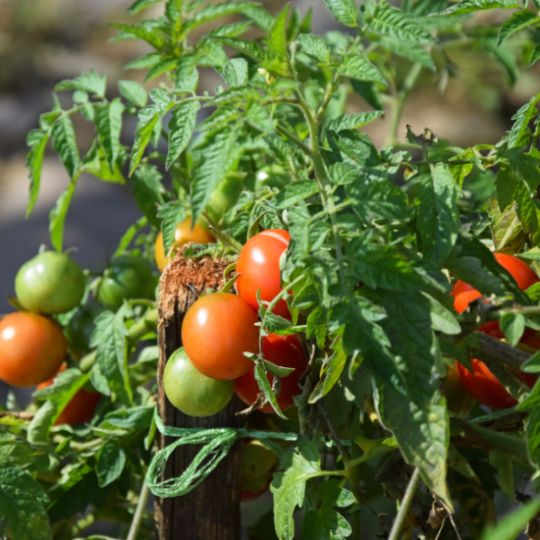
x,y
405,506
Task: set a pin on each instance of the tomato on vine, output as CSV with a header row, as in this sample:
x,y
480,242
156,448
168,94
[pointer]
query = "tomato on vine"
x,y
285,351
81,407
184,233
32,348
257,464
259,271
480,382
190,391
49,283
224,197
128,277
216,332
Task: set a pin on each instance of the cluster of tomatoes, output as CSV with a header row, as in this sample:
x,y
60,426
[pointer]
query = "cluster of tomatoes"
x,y
220,331
33,347
480,382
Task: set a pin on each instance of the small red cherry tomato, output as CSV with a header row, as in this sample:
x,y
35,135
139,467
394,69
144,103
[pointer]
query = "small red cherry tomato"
x,y
258,268
217,329
285,351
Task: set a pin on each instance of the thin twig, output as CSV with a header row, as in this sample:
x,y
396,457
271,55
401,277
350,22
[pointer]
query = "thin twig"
x,y
139,512
405,506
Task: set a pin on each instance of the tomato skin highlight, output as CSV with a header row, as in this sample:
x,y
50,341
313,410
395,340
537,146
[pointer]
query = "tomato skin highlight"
x,y
183,234
258,269
481,383
49,283
190,391
285,351
81,407
217,329
32,348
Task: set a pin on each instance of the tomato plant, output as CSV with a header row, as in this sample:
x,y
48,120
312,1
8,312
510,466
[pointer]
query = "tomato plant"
x,y
371,240
216,332
32,347
257,466
258,269
184,232
192,392
49,283
284,351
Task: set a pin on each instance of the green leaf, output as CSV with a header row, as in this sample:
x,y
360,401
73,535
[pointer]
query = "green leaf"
x,y
235,72
37,141
344,11
148,190
443,319
22,506
65,143
216,11
110,463
134,92
277,34
264,384
469,6
170,215
216,158
149,31
513,326
357,66
438,213
187,75
325,522
517,22
520,134
57,216
396,24
149,119
332,368
289,487
511,526
353,121
109,338
505,471
532,365
528,211
181,127
315,46
109,127
90,82
140,5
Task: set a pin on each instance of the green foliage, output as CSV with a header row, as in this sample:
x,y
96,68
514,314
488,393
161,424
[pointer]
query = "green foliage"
x,y
379,234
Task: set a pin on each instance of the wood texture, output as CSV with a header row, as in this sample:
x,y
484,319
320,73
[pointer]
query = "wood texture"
x,y
212,510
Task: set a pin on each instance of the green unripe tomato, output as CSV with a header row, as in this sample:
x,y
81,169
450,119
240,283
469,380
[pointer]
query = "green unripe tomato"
x,y
224,196
49,283
192,392
128,277
79,329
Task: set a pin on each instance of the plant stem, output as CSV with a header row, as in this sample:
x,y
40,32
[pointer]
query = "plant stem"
x,y
139,512
399,103
405,506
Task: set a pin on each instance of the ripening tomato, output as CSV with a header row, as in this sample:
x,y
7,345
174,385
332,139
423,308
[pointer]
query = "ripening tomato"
x,y
49,283
192,392
81,407
524,276
32,347
285,351
217,329
480,382
258,268
128,277
224,196
257,465
183,234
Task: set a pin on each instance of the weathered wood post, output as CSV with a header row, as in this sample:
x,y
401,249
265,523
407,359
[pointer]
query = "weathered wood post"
x,y
212,510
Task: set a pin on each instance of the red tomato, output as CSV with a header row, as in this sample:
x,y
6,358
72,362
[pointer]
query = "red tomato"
x,y
258,269
217,329
524,276
32,347
484,386
481,383
286,351
81,407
